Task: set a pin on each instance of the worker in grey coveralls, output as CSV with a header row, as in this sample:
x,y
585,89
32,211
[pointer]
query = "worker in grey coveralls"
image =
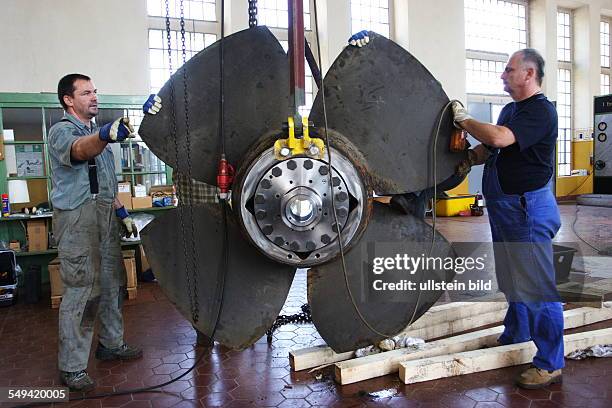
x,y
87,223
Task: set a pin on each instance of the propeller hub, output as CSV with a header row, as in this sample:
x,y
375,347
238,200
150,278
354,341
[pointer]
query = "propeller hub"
x,y
294,209
301,210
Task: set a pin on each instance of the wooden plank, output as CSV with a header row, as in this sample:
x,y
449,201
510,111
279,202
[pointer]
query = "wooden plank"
x,y
56,301
454,311
451,327
132,292
489,359
315,357
443,319
130,271
376,365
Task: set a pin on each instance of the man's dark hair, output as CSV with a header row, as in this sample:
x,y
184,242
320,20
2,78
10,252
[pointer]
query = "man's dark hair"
x,y
66,86
533,56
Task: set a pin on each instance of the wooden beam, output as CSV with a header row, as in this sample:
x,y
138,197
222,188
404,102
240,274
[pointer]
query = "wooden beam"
x,y
376,365
436,322
468,362
451,327
316,356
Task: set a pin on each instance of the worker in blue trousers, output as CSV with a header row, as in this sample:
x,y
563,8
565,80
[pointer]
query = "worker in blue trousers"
x,y
518,154
523,212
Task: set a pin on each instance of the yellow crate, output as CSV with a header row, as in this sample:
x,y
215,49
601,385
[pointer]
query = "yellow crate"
x,y
452,205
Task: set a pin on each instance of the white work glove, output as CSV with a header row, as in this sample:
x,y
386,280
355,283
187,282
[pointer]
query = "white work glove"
x,y
359,39
116,131
152,105
129,226
460,114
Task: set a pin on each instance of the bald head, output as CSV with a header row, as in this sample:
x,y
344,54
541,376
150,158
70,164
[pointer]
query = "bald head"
x,y
523,74
531,58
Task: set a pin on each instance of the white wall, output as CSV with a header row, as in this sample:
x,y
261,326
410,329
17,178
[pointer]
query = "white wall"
x,y
42,40
107,40
433,31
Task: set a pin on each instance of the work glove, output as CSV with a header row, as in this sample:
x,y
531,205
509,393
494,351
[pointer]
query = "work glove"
x,y
116,131
359,39
152,105
464,167
129,226
459,114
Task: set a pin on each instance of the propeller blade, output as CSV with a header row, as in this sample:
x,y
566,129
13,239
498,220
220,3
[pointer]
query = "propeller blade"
x,y
256,91
388,312
388,104
255,287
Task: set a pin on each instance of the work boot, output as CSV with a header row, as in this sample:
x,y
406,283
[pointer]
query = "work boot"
x,y
77,381
534,378
124,352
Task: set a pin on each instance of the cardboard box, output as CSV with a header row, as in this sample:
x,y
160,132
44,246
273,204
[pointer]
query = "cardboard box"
x,y
57,287
142,202
140,191
126,200
125,187
37,235
15,246
130,268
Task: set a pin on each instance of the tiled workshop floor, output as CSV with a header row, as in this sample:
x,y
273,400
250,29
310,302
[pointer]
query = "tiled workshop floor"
x,y
260,375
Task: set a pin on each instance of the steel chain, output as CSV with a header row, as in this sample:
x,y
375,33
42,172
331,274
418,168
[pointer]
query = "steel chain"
x,y
181,204
252,13
168,36
193,290
281,320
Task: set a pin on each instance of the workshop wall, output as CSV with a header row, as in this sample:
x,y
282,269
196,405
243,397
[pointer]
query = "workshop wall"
x,y
42,40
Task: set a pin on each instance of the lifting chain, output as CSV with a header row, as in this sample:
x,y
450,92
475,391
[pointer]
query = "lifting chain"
x,y
252,13
192,287
281,320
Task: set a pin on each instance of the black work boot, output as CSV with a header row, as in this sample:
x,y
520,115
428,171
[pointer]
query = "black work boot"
x,y
77,381
124,352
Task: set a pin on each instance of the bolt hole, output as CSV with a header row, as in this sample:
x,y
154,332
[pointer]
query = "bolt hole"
x,y
290,181
310,181
271,176
286,243
339,188
289,256
324,194
317,256
277,196
324,213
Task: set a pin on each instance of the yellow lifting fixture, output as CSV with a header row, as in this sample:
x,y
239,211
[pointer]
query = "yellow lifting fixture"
x,y
293,146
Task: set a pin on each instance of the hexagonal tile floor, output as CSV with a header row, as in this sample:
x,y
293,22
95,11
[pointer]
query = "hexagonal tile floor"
x,y
260,375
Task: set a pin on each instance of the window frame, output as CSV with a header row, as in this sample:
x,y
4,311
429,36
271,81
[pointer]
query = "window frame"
x,y
501,98
566,65
605,70
391,8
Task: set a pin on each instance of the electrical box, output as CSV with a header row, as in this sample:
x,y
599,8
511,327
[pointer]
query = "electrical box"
x,y
602,145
